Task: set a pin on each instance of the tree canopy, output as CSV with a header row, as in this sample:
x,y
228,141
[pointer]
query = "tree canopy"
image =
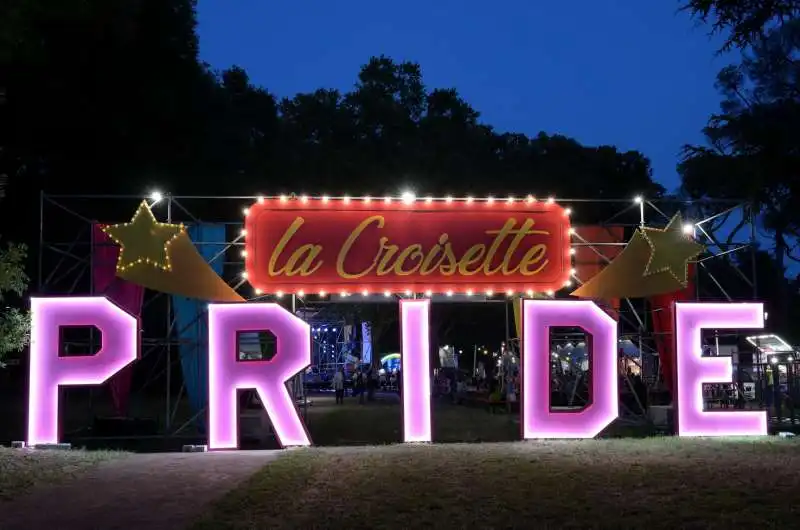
x,y
743,22
109,97
751,148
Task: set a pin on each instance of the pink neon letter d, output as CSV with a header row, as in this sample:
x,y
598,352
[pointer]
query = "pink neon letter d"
x,y
226,374
48,370
538,421
693,369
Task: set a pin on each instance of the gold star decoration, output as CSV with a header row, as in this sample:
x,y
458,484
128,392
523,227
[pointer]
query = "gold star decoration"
x,y
670,250
143,241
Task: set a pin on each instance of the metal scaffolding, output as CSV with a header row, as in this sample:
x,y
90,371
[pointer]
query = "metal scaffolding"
x,y
66,253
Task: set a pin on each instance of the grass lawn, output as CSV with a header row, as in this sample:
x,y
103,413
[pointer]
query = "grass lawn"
x,y
381,422
21,469
613,483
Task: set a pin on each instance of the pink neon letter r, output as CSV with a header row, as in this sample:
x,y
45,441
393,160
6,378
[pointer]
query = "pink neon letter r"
x,y
48,370
226,374
538,421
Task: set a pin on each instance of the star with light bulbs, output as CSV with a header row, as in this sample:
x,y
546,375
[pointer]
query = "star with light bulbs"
x,y
144,241
671,249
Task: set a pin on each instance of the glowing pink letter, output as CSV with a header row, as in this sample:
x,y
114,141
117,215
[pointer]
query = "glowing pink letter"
x,y
226,374
693,369
415,370
49,370
538,421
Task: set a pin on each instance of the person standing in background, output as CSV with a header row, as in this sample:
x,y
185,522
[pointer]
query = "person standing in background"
x,y
338,386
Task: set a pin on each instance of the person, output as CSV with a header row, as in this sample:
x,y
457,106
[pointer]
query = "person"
x,y
358,386
369,383
511,393
338,386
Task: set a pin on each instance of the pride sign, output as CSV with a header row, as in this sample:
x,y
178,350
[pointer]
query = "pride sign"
x,y
49,369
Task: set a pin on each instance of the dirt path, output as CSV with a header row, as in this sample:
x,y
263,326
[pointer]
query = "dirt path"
x,y
142,492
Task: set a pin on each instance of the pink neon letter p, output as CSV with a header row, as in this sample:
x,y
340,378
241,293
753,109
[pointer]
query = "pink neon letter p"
x,y
538,421
693,369
226,374
48,370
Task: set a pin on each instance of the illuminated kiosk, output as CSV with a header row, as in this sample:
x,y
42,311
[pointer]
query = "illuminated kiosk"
x,y
413,311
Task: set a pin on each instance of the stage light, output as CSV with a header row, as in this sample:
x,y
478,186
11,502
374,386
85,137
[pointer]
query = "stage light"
x,y
156,196
638,199
688,229
693,370
538,420
268,378
119,332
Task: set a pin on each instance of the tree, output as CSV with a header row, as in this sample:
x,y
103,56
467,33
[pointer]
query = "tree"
x,y
751,150
744,22
14,323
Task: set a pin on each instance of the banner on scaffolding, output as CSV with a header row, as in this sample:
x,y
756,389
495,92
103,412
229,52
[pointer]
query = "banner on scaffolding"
x,y
366,342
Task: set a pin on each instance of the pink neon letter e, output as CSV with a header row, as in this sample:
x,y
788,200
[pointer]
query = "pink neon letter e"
x,y
693,369
415,370
538,420
226,374
48,370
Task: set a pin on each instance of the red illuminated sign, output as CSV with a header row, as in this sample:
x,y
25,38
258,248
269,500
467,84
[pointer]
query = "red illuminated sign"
x,y
352,246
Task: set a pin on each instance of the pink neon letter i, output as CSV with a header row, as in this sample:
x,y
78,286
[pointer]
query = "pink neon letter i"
x,y
415,370
693,369
538,420
226,374
49,370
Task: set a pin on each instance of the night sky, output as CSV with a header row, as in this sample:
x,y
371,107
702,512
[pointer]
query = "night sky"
x,y
638,75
